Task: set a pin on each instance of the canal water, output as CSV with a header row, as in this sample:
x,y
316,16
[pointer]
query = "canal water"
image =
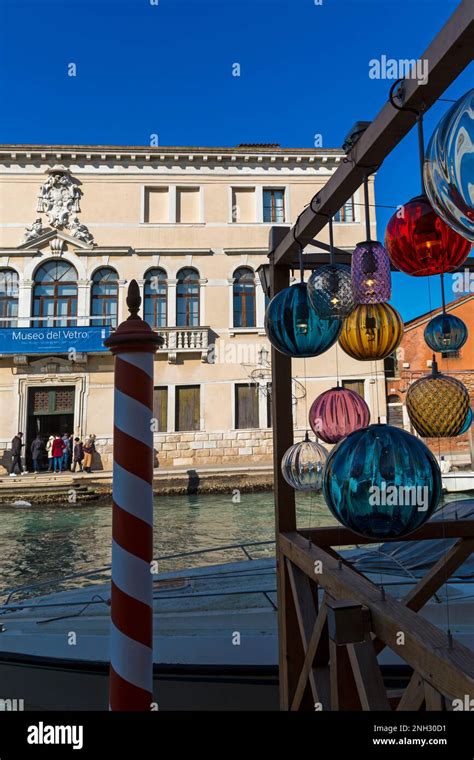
x,y
41,543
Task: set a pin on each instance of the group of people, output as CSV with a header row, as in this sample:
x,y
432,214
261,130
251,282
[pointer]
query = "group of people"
x,y
64,453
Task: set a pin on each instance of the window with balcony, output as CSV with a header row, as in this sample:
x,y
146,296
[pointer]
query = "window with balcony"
x,y
246,406
244,297
274,206
188,407
155,306
104,297
187,298
8,298
160,408
347,212
55,295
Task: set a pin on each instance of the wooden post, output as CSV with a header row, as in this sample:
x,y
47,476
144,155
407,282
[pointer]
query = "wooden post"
x,y
290,654
131,635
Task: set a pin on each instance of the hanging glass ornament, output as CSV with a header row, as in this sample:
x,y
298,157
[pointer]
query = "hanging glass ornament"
x,y
467,423
372,331
371,276
437,405
336,413
303,464
382,482
294,328
449,167
419,243
330,291
445,333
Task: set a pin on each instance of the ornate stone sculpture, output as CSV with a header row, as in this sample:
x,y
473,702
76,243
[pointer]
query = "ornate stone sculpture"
x,y
59,198
80,231
35,231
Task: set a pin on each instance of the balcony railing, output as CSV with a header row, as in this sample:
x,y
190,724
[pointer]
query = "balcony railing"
x,y
184,339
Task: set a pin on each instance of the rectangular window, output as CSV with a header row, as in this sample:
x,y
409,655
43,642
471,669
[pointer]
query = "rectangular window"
x,y
156,205
451,354
160,409
188,407
243,205
246,406
347,212
354,385
274,206
187,205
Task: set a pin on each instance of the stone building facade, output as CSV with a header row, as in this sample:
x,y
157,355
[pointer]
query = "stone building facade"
x,y
191,225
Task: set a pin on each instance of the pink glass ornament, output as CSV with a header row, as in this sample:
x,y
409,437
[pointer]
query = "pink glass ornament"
x,y
336,413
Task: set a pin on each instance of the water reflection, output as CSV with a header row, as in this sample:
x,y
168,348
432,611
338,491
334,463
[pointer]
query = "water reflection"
x,y
38,543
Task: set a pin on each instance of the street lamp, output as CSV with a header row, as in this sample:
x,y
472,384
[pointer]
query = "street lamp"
x,y
263,272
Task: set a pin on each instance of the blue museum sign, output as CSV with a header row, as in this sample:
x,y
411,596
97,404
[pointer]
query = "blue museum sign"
x,y
52,340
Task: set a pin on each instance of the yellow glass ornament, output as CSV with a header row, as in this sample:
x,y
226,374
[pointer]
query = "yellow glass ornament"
x,y
437,405
371,331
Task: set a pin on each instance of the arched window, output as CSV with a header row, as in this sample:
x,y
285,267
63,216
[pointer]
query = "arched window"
x,y
187,298
104,297
244,297
8,297
156,298
55,295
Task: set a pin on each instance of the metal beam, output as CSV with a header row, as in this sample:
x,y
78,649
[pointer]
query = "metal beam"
x,y
447,56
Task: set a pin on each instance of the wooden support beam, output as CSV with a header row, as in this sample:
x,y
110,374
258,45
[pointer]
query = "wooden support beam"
x,y
414,695
425,649
344,694
316,664
367,674
433,699
334,535
447,56
439,574
290,657
306,614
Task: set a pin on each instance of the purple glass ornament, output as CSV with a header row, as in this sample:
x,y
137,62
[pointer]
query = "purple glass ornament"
x,y
371,277
336,413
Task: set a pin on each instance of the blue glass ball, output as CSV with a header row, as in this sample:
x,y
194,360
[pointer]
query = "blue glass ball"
x,y
467,423
303,464
330,291
445,332
382,482
294,328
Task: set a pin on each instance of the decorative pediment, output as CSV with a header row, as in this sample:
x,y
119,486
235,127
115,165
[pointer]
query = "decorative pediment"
x,y
59,199
48,236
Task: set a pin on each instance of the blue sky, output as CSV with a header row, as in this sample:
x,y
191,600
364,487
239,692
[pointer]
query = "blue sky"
x,y
166,68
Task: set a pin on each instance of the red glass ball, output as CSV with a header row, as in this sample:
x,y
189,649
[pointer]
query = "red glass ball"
x,y
338,412
420,243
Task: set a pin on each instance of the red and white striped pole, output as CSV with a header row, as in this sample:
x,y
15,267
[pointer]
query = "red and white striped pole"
x,y
131,637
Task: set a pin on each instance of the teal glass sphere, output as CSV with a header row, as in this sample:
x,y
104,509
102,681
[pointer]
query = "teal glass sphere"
x,y
382,482
294,328
445,333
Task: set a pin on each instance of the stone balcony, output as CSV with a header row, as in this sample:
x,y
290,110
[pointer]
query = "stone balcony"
x,y
185,340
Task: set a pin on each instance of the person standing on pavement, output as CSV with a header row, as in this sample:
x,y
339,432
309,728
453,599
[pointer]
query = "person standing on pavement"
x,y
66,459
50,453
78,454
17,445
37,449
89,449
57,451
